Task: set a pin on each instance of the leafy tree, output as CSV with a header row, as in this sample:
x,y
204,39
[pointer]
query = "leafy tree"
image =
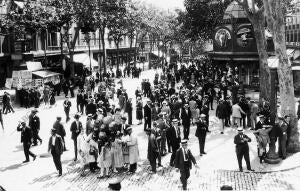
x,y
202,17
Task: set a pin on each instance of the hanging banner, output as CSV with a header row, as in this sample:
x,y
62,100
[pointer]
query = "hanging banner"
x,y
26,74
16,74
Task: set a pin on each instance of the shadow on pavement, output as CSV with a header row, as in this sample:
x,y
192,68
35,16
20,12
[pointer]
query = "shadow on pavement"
x,y
18,148
13,167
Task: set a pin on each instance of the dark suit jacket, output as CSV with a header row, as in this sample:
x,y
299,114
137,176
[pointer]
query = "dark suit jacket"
x,y
186,117
147,112
58,146
34,123
201,128
179,160
60,130
155,112
74,128
171,135
26,134
241,146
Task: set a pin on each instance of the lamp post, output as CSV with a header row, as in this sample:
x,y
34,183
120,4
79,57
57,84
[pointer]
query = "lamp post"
x,y
272,156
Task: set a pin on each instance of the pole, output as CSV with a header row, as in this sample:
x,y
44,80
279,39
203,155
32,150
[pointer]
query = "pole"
x,y
272,156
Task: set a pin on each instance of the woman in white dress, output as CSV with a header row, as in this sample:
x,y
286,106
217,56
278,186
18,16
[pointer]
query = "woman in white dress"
x,y
105,160
117,152
83,151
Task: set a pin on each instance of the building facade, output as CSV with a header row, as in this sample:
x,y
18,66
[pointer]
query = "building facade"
x,y
50,48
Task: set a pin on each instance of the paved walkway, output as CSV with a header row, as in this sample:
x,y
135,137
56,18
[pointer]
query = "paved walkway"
x,y
217,168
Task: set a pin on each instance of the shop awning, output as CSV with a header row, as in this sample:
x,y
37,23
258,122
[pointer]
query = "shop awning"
x,y
45,73
85,60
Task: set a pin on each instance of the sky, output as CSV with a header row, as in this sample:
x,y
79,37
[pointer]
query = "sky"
x,y
167,4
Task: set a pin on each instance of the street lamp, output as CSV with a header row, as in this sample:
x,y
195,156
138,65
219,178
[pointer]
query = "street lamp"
x,y
272,156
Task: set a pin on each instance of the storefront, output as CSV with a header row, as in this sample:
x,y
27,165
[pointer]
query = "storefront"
x,y
234,45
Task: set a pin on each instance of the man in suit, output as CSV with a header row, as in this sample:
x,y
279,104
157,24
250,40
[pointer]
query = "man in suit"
x,y
173,134
128,109
34,124
153,149
186,120
67,105
75,129
56,148
242,149
60,130
155,111
183,161
163,127
123,126
26,137
201,133
147,116
283,127
79,101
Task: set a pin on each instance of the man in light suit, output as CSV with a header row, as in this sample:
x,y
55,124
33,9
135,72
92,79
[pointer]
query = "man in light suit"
x,y
56,147
75,129
183,161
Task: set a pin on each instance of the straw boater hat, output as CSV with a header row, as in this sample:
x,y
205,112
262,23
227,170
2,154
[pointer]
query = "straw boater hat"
x,y
240,129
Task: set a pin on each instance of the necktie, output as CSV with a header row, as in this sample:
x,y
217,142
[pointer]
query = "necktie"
x,y
178,132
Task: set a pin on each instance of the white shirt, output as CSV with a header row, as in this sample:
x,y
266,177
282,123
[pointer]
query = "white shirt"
x,y
184,154
53,140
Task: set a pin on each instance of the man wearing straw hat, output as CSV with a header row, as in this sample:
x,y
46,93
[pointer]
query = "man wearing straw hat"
x,y
56,148
242,149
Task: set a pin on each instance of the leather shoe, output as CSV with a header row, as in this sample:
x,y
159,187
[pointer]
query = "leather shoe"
x,y
204,153
41,141
251,170
25,161
34,158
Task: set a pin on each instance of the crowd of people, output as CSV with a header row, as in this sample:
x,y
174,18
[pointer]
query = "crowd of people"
x,y
181,96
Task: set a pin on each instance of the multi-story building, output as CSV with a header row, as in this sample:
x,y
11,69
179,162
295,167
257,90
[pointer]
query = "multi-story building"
x,y
234,44
51,50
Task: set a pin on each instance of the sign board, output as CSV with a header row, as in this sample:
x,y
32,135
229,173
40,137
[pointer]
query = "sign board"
x,y
34,66
26,74
8,83
16,74
22,74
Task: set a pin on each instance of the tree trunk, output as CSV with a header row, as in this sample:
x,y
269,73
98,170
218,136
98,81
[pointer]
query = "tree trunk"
x,y
72,47
275,19
286,85
118,59
264,71
136,49
101,33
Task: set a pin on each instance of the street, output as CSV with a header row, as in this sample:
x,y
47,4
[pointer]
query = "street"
x,y
219,167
